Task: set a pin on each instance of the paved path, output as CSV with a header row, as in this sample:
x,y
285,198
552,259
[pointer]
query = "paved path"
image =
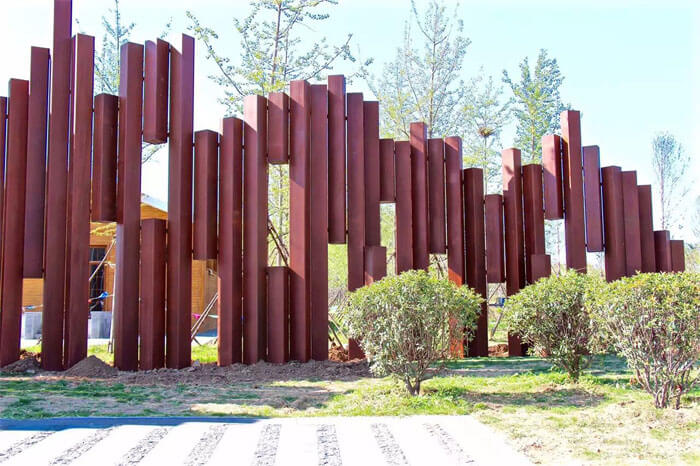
x,y
365,441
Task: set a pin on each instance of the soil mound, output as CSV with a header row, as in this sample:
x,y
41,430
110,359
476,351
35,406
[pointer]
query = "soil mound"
x,y
337,353
498,350
93,367
24,365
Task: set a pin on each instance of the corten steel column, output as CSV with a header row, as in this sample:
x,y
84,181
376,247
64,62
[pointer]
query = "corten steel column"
x,y
278,128
254,228
613,211
572,169
513,223
419,190
662,251
646,228
387,178
278,314
552,177
591,191
77,309
318,219
455,213
495,267
630,215
336,159
372,173
375,264
36,163
206,158
539,266
230,242
104,159
677,255
436,196
152,305
126,318
179,268
56,183
155,92
533,214
476,253
299,169
13,222
404,208
3,128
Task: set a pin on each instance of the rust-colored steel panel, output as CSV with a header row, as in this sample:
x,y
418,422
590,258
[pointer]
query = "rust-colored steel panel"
x,y
336,159
152,305
104,159
13,222
179,269
404,208
254,228
155,92
613,211
476,253
630,215
356,191
387,178
419,188
533,212
318,219
56,191
495,267
677,255
299,202
36,163
278,128
539,266
455,213
646,228
206,158
436,196
77,310
375,264
591,191
126,302
572,169
662,250
553,185
372,169
513,227
3,128
278,314
230,265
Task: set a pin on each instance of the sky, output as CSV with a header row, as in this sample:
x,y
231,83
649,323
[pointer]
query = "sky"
x,y
631,67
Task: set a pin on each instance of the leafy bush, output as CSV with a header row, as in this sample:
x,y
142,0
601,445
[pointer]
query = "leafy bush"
x,y
404,323
553,317
653,320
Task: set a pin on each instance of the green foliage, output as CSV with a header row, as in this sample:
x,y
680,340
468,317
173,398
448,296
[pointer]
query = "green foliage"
x,y
653,320
405,323
553,316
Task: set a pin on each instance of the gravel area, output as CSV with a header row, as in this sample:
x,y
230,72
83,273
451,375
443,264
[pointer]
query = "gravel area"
x,y
19,447
387,444
201,452
449,443
74,452
328,447
266,450
147,444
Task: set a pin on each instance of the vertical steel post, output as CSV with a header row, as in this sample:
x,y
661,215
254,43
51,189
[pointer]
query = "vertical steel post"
x,y
476,254
104,159
591,191
419,191
662,250
155,92
574,222
370,127
3,139
646,228
387,178
152,303
677,255
454,192
206,158
278,131
630,216
336,159
404,207
436,196
375,264
495,269
552,179
533,214
613,211
539,266
278,314
356,191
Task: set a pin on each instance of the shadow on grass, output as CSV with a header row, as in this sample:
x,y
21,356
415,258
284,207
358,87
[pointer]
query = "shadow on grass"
x,y
601,365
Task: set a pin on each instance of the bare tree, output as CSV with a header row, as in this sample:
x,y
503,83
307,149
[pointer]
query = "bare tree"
x,y
670,163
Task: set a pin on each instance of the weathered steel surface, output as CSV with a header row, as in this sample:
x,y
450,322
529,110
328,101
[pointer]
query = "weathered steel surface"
x,y
454,192
278,314
104,159
533,214
36,163
152,305
436,196
591,191
553,185
677,255
387,177
230,264
404,207
126,302
630,216
419,191
572,169
336,159
646,228
662,250
278,130
372,173
539,266
356,192
206,160
155,92
13,225
495,267
614,224
375,264
254,228
77,309
3,129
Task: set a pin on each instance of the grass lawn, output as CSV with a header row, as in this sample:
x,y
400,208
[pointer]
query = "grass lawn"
x,y
600,420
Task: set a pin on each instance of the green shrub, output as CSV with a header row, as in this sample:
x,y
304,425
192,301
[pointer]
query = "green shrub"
x,y
553,317
653,320
404,322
